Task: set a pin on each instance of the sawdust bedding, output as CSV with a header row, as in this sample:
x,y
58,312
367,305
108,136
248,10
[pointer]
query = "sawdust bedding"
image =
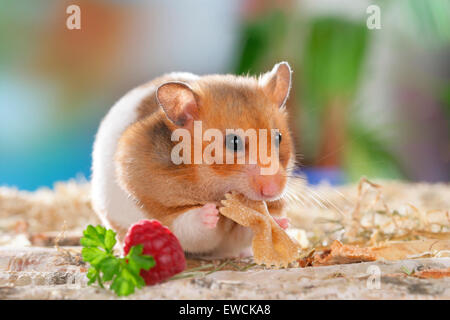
x,y
363,222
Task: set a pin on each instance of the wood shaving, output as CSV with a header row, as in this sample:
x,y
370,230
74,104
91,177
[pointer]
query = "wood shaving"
x,y
47,209
48,239
339,253
432,273
271,245
422,274
410,249
371,213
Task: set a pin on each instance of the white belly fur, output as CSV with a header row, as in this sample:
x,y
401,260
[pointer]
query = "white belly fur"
x,y
109,201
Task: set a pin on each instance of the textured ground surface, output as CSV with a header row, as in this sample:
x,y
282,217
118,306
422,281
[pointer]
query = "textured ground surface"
x,y
32,268
40,273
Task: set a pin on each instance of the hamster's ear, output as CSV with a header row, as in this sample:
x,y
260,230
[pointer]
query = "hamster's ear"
x,y
178,102
277,83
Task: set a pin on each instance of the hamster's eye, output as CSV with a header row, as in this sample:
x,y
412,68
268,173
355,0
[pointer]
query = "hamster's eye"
x,y
278,139
234,142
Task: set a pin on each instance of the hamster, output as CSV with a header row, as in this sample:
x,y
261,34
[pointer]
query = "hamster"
x,y
134,176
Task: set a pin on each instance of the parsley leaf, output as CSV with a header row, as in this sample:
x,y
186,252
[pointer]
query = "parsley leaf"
x,y
124,273
138,261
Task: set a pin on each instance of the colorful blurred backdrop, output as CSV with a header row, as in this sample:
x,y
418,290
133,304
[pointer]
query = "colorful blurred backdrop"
x,y
372,102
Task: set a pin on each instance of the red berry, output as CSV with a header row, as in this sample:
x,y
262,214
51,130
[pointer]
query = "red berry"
x,y
159,242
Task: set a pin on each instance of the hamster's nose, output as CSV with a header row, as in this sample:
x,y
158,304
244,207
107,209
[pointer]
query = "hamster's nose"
x,y
269,186
269,189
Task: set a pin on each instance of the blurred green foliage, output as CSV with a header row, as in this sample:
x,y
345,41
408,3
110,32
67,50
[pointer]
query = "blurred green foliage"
x,y
432,19
260,38
334,53
366,154
328,58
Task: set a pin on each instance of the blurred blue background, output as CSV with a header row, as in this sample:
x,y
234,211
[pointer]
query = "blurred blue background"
x,y
364,102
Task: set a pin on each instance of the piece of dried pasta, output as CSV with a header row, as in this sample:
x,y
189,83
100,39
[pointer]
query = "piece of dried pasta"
x,y
271,245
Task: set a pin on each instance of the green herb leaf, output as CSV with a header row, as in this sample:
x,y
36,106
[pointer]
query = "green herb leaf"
x,y
133,277
93,237
92,275
93,255
138,261
110,240
122,286
109,267
98,244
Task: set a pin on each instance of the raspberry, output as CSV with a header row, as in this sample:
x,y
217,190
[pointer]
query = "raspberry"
x,y
162,244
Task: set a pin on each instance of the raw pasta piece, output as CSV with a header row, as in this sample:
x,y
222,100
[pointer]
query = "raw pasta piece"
x,y
271,245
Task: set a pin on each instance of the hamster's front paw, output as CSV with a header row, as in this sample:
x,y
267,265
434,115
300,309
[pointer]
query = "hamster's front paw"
x,y
282,222
209,215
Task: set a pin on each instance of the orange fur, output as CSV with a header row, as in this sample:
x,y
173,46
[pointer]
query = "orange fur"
x,y
165,190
